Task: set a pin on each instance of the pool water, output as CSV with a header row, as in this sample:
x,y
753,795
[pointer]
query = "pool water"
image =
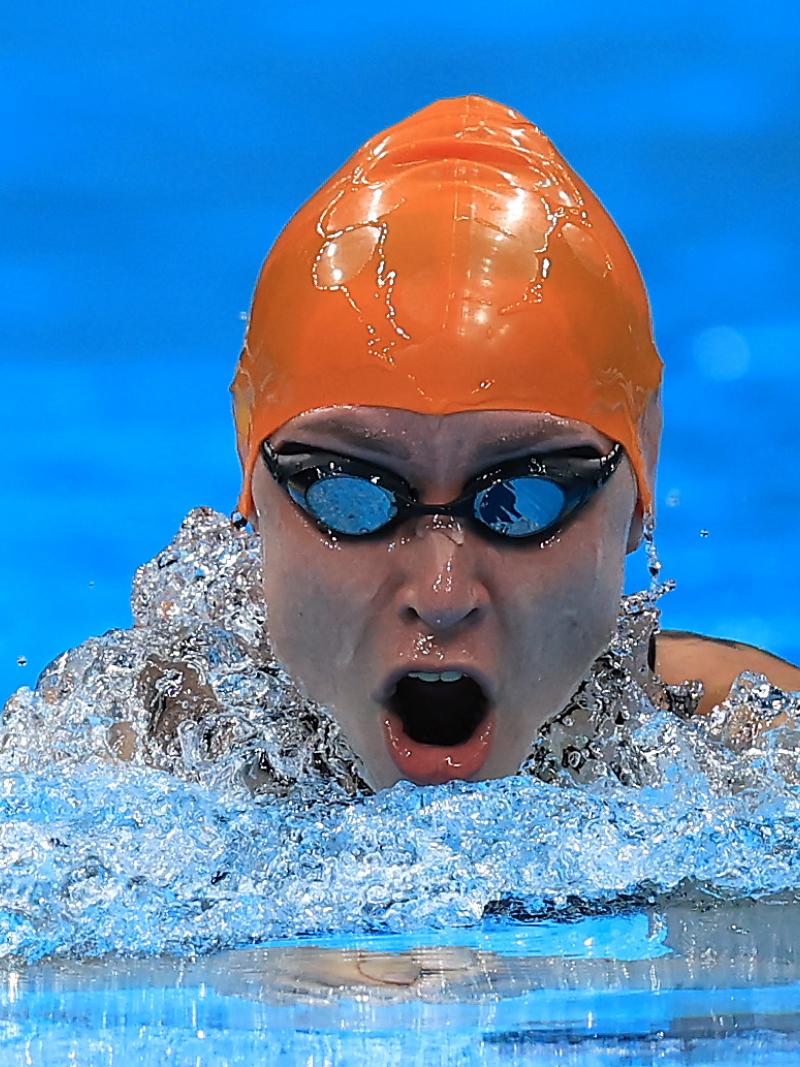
x,y
686,982
602,902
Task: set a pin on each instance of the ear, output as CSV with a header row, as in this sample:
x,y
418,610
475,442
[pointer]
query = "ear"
x,y
259,486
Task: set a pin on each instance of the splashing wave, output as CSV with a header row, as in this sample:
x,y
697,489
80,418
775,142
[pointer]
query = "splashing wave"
x,y
167,789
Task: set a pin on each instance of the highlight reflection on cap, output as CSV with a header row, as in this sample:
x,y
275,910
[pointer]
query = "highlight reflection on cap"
x,y
454,263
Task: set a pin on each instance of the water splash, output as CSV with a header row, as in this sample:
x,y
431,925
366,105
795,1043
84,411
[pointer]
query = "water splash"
x,y
168,789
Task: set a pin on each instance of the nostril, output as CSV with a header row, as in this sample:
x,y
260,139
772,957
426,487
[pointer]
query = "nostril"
x,y
439,618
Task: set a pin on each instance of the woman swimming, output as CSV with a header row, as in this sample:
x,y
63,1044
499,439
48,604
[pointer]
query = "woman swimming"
x,y
448,415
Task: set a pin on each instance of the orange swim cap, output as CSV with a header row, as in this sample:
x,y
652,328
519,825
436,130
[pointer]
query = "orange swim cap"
x,y
455,263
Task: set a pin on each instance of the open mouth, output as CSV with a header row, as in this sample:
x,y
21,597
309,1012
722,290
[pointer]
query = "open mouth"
x,y
439,712
439,726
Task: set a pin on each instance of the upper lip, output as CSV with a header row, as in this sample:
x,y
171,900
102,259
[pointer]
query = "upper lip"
x,y
394,676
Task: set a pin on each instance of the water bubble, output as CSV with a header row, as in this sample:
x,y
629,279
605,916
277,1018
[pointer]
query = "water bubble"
x,y
241,813
654,564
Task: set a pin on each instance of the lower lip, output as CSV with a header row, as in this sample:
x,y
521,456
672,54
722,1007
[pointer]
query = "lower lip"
x,y
436,764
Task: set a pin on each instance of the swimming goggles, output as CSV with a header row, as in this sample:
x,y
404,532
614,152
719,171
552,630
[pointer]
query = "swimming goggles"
x,y
517,500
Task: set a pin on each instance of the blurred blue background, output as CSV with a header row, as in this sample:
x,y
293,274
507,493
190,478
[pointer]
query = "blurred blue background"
x,y
151,152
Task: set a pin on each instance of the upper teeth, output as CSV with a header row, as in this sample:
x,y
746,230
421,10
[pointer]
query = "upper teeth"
x,y
442,676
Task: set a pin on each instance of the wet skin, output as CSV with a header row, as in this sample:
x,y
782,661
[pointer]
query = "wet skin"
x,y
343,614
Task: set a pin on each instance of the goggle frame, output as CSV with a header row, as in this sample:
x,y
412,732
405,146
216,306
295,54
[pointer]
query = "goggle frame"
x,y
579,478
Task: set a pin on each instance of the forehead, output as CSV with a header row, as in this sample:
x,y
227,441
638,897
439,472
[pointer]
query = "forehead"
x,y
405,433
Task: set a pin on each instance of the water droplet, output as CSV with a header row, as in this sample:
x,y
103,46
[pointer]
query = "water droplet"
x,y
654,565
424,643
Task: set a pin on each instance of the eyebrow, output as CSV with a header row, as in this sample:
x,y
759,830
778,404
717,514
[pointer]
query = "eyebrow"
x,y
512,441
362,436
527,437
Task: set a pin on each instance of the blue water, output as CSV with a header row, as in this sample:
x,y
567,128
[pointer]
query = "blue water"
x,y
651,986
151,153
149,157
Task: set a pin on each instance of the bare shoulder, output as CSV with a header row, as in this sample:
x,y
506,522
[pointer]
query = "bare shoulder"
x,y
716,662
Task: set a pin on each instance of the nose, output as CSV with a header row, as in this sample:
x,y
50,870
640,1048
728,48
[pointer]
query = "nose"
x,y
440,587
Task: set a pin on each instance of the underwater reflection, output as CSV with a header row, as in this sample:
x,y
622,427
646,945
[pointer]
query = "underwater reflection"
x,y
726,975
745,945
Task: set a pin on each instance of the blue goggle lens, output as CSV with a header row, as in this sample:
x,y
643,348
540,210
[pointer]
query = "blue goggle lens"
x,y
519,507
514,507
350,505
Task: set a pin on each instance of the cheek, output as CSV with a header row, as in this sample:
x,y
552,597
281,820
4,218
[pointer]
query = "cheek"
x,y
317,601
565,601
594,550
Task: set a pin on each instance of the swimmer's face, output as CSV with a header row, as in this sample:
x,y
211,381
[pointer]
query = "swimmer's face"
x,y
523,622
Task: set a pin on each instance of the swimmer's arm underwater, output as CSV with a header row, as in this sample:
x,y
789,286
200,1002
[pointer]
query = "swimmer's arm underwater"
x,y
172,692
716,662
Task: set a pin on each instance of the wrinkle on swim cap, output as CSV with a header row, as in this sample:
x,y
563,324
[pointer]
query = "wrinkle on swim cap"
x,y
454,263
